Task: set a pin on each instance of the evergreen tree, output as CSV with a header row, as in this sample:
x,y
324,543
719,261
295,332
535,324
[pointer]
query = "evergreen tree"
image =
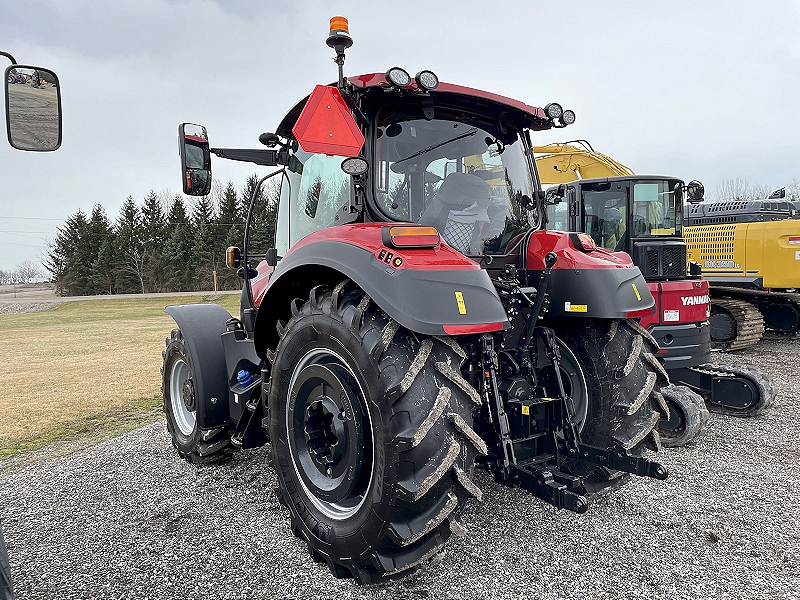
x,y
154,236
64,260
205,263
177,253
130,257
99,252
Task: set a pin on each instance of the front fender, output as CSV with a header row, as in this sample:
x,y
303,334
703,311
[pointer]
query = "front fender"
x,y
422,298
202,326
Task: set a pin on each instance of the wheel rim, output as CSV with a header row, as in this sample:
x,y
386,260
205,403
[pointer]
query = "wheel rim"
x,y
181,393
330,436
675,426
573,380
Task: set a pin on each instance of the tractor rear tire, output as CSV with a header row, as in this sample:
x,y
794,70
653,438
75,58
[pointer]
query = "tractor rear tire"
x,y
193,444
621,400
371,428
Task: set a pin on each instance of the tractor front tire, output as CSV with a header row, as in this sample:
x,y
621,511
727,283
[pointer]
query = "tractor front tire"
x,y
177,387
621,403
371,427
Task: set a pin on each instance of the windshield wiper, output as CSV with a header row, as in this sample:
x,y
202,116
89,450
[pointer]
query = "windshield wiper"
x,y
439,145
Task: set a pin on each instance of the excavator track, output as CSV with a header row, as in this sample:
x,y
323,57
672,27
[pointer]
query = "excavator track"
x,y
739,391
735,324
780,310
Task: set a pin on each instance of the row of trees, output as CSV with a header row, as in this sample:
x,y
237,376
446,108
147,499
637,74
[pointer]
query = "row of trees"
x,y
24,272
740,189
167,244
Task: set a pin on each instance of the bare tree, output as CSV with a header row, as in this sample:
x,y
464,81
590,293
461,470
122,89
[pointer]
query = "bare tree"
x,y
27,270
739,189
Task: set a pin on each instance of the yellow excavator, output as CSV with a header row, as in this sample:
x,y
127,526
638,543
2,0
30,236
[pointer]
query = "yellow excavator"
x,y
749,251
644,215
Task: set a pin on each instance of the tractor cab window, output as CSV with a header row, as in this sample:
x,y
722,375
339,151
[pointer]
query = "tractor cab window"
x,y
604,214
312,192
657,209
472,184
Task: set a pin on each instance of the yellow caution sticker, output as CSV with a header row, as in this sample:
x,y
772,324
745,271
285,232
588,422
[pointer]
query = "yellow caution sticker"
x,y
636,291
526,410
570,307
462,308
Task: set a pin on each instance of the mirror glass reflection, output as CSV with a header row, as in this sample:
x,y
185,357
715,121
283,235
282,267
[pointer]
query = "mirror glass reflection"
x,y
33,108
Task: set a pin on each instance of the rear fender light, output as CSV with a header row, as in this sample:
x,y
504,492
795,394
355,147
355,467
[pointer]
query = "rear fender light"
x,y
410,236
583,242
645,312
471,329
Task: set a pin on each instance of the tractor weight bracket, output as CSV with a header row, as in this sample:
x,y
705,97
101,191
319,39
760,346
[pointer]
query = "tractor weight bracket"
x,y
542,483
620,460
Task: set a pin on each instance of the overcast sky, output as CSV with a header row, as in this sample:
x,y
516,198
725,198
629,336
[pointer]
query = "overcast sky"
x,y
698,90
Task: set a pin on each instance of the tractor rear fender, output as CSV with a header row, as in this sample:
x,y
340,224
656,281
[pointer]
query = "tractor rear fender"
x,y
202,326
427,298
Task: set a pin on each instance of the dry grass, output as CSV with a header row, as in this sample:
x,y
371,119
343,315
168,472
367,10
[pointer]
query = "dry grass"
x,y
83,368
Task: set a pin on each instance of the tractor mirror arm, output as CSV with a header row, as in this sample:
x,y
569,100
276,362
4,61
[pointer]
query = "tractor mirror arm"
x,y
267,158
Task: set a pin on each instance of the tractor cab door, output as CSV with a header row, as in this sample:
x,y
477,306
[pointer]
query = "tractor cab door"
x,y
313,191
603,213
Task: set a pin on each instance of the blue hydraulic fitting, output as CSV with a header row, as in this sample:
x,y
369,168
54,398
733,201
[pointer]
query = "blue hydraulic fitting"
x,y
244,378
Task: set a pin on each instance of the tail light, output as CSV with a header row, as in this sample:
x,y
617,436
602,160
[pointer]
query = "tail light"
x,y
410,236
794,240
636,314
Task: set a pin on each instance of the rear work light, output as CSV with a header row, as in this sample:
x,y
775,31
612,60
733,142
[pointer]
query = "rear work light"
x,y
410,236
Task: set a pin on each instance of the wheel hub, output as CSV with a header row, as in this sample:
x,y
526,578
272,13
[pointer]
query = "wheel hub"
x,y
324,426
187,392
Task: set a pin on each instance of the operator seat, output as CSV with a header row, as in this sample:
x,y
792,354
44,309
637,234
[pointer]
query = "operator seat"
x,y
458,191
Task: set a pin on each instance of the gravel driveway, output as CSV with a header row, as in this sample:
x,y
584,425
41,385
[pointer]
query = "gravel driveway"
x,y
127,519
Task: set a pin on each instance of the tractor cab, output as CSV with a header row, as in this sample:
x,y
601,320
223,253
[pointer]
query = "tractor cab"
x,y
450,157
640,215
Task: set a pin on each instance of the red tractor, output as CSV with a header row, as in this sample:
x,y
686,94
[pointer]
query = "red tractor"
x,y
399,332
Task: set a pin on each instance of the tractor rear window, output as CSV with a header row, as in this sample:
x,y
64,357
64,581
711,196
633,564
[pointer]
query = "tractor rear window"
x,y
455,176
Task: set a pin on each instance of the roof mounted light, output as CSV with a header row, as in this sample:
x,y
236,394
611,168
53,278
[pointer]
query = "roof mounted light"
x,y
398,77
355,166
568,117
553,110
340,33
427,80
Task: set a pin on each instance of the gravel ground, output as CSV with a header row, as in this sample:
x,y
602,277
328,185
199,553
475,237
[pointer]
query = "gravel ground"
x,y
127,519
14,308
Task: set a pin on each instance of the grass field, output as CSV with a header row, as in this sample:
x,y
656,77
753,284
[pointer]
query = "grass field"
x,y
83,369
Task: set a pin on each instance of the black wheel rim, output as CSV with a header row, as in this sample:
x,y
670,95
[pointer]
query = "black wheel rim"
x,y
329,430
675,426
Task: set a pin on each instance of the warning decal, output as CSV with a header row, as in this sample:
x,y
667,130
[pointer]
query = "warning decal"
x,y
462,308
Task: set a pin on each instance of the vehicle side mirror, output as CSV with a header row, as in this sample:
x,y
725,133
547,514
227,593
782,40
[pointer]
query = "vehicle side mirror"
x,y
272,257
195,159
695,192
556,194
33,108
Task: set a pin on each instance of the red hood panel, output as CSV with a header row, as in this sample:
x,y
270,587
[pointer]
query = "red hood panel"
x,y
570,257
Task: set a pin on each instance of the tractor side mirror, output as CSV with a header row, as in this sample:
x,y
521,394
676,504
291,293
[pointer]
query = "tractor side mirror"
x,y
555,194
33,108
272,257
695,192
195,159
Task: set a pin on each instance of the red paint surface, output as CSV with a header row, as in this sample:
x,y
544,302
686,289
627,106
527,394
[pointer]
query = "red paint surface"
x,y
260,282
326,125
368,237
471,329
570,257
672,295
